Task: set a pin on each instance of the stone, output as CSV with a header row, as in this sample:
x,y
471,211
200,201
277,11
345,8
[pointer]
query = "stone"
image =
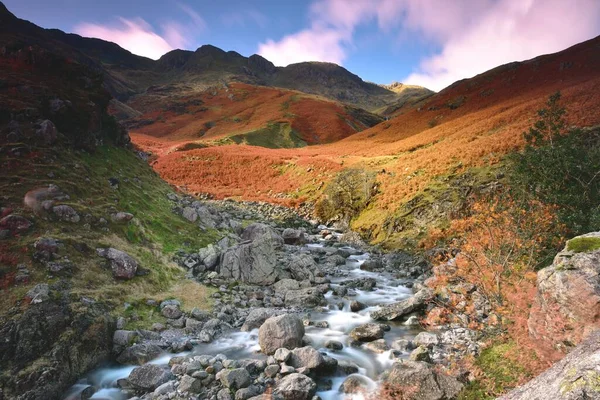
x,y
334,345
66,213
46,249
235,378
565,308
356,384
124,338
426,339
427,383
294,237
258,231
257,317
282,355
148,377
356,306
286,284
576,376
248,392
189,384
171,311
123,265
39,293
296,387
284,331
121,217
305,298
47,132
377,346
421,353
15,224
302,267
367,332
224,394
164,389
190,214
272,370
306,357
139,354
403,308
210,256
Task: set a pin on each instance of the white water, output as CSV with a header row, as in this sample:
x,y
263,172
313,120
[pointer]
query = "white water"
x,y
241,345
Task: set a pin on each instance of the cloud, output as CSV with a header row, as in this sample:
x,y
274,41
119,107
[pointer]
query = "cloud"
x,y
473,35
139,37
241,18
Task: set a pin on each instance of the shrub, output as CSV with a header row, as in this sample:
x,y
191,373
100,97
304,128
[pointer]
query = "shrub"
x,y
346,195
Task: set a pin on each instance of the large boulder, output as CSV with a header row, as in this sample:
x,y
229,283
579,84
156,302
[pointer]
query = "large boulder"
x,y
403,308
254,261
284,331
210,256
306,357
123,265
257,317
308,297
148,377
139,354
296,387
419,380
576,376
294,236
302,267
367,332
566,307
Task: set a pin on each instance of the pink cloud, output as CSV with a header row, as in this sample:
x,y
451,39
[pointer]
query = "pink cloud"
x,y
474,35
139,37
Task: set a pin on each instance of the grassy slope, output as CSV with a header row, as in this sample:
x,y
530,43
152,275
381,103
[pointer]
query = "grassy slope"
x,y
153,234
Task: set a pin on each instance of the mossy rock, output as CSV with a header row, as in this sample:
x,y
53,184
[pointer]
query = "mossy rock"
x,y
583,244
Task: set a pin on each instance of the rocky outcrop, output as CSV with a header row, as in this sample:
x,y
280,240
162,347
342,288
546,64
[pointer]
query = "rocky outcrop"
x,y
253,261
567,304
418,380
576,376
404,307
283,331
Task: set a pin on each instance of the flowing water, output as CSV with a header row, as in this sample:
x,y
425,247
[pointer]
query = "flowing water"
x,y
244,345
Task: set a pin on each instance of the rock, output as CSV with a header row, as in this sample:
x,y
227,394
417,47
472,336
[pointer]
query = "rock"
x,y
420,354
286,284
171,311
235,378
356,384
427,383
248,392
124,338
66,213
302,267
413,320
139,354
46,249
148,377
282,355
200,315
260,232
356,306
308,297
403,345
367,332
190,385
170,302
123,265
190,214
567,303
210,256
38,294
296,387
372,265
121,217
377,346
306,357
334,345
224,394
254,262
15,224
347,367
284,331
352,238
257,317
164,389
47,132
426,339
404,307
294,236
272,370
576,376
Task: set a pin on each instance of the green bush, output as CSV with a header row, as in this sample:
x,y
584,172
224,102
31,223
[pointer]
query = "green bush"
x,y
346,195
561,166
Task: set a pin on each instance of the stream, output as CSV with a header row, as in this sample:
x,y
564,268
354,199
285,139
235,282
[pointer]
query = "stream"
x,y
340,321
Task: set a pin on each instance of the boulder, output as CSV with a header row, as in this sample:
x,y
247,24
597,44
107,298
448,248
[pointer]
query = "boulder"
x,y
148,377
403,308
190,214
426,339
356,384
576,376
252,262
139,354
15,223
281,331
294,236
210,256
421,353
66,213
123,265
123,337
356,306
262,232
367,332
38,294
286,284
46,249
121,217
190,385
422,381
566,307
296,387
235,378
302,267
306,357
257,317
171,311
47,132
309,297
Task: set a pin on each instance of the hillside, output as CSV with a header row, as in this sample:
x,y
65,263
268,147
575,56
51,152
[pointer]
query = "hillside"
x,y
437,152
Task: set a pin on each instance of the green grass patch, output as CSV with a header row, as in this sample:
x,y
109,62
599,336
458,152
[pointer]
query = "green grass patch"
x,y
276,135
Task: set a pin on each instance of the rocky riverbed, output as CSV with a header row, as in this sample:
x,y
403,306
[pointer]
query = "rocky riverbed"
x,y
297,314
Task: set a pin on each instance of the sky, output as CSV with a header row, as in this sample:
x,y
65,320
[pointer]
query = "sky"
x,y
431,43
